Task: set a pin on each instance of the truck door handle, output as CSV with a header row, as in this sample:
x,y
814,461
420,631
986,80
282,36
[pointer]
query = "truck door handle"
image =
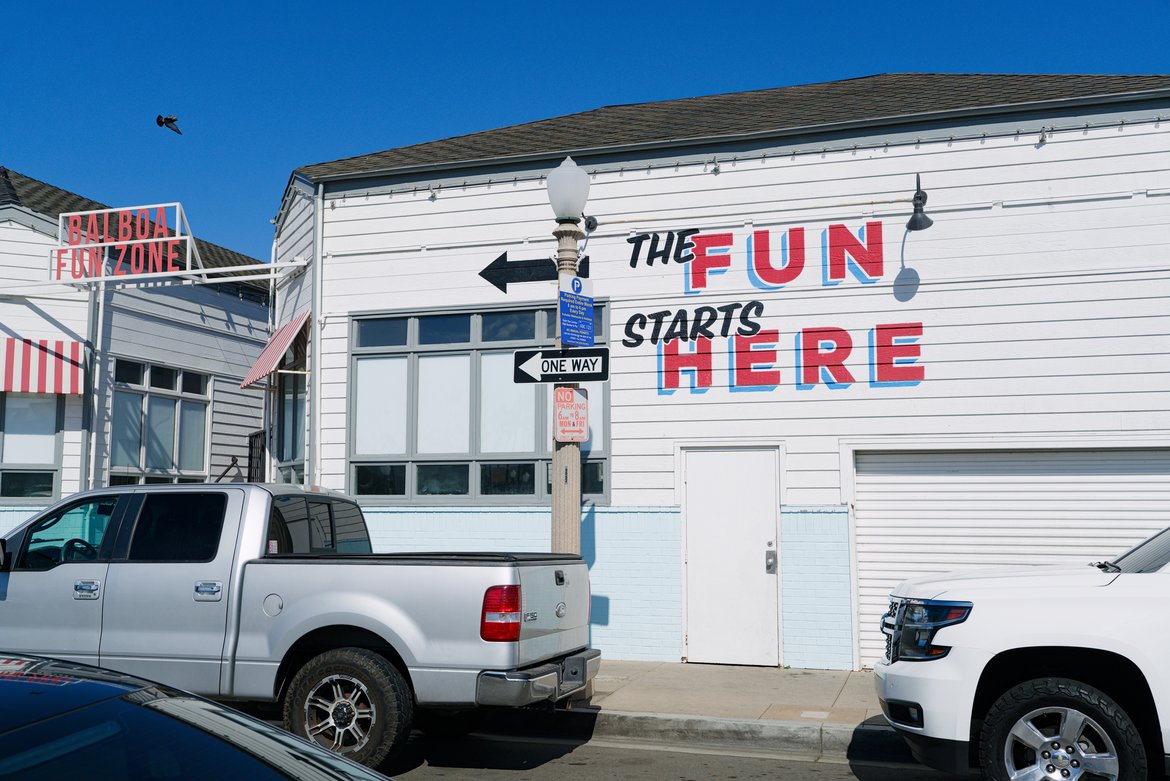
x,y
208,590
86,589
770,562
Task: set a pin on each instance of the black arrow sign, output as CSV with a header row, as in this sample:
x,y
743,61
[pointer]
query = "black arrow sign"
x,y
501,271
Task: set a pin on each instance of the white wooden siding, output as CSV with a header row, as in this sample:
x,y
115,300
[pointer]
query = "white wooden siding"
x,y
925,512
43,311
1041,295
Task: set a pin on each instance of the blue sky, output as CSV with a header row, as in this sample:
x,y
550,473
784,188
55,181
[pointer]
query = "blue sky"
x,y
262,88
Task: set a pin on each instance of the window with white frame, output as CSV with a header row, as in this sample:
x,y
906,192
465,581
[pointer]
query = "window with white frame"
x,y
436,417
30,455
158,431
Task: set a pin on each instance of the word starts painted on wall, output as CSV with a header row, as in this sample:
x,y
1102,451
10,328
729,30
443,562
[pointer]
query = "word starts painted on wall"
x,y
691,341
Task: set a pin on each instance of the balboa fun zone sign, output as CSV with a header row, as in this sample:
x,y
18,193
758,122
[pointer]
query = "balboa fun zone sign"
x,y
142,244
136,241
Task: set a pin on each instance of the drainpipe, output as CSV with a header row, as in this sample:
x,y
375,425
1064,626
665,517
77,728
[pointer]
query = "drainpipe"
x,y
271,398
98,388
312,451
88,389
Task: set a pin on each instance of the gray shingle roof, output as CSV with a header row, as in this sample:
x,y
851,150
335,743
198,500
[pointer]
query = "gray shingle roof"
x,y
53,201
886,98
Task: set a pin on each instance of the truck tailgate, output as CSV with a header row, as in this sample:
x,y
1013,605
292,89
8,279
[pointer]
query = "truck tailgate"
x,y
554,605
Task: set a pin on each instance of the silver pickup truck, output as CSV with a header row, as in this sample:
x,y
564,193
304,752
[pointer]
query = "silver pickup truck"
x,y
271,593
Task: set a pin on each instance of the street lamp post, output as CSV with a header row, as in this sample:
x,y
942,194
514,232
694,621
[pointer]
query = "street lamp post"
x,y
568,189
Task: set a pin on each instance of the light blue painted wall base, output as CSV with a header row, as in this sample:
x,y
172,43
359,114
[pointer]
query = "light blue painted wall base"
x,y
816,587
635,568
634,557
11,517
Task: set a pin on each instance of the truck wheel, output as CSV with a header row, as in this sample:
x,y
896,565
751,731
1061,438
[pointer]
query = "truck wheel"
x,y
352,701
1060,728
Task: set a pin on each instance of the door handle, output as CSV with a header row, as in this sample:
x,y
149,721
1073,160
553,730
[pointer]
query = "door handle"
x,y
770,562
208,590
86,589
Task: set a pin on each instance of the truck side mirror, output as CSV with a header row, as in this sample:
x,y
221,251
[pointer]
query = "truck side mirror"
x,y
5,564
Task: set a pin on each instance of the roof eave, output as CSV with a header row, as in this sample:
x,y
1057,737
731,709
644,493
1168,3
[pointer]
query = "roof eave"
x,y
897,119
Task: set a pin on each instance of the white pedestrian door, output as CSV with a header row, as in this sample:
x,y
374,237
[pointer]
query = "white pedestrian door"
x,y
731,503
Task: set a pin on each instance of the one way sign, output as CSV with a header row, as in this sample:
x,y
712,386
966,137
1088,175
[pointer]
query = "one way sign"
x,y
589,364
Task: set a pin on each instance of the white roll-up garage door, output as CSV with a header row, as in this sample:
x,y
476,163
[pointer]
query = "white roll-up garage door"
x,y
924,512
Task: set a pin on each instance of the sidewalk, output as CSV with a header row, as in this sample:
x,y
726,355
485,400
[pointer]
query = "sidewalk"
x,y
823,713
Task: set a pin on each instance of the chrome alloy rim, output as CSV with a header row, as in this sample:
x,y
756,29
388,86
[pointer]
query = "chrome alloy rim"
x,y
1059,743
339,714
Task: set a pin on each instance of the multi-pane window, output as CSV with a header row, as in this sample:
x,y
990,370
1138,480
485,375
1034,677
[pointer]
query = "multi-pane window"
x,y
29,454
436,415
158,432
290,427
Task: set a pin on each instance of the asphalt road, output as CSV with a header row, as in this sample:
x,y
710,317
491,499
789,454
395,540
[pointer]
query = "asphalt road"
x,y
485,758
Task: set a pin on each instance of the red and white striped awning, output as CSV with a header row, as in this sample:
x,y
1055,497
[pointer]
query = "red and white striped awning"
x,y
42,366
273,351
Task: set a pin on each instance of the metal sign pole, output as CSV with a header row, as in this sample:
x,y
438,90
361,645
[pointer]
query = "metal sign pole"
x,y
566,456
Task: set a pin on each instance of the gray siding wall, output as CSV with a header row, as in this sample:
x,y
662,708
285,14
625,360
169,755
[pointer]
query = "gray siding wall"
x,y
296,238
202,328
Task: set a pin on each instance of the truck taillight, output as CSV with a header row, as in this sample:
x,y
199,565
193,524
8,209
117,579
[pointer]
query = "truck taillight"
x,y
500,620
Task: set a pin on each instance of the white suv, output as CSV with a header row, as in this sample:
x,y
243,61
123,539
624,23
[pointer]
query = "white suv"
x,y
1032,674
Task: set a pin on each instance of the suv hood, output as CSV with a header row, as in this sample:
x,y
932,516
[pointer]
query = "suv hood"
x,y
958,584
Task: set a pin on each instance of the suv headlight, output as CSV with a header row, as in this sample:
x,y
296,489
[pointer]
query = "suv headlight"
x,y
910,626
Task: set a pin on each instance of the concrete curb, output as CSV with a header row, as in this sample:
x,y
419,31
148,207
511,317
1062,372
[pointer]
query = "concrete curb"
x,y
862,742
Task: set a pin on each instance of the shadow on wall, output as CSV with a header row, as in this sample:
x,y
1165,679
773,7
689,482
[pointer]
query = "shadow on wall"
x,y
598,603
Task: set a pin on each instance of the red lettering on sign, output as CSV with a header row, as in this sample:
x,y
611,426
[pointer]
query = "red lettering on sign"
x,y
895,351
707,260
760,258
867,262
142,224
172,255
821,354
674,362
756,351
73,230
125,230
160,223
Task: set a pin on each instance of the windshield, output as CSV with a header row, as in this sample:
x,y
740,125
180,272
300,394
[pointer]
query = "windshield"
x,y
1149,556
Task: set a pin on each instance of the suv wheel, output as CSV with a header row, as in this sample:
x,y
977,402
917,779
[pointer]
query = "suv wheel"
x,y
1057,728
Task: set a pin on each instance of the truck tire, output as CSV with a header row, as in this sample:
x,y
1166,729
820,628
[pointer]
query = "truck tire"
x,y
1060,728
352,701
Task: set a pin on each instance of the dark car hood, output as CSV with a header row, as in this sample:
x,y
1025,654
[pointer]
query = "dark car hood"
x,y
33,688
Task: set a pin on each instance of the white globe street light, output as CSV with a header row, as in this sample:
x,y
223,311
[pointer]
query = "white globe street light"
x,y
568,189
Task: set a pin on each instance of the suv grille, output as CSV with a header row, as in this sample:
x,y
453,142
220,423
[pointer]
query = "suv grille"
x,y
891,626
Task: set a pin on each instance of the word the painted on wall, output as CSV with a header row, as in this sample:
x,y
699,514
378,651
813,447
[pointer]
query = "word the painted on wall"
x,y
135,241
664,247
820,357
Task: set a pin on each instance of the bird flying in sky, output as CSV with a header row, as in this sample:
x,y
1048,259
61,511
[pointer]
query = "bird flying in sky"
x,y
169,122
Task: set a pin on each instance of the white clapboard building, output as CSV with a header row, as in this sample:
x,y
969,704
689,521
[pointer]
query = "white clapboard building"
x,y
795,376
120,382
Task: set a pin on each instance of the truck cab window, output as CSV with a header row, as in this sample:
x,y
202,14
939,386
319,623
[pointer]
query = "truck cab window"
x,y
178,527
74,534
306,533
321,524
349,528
